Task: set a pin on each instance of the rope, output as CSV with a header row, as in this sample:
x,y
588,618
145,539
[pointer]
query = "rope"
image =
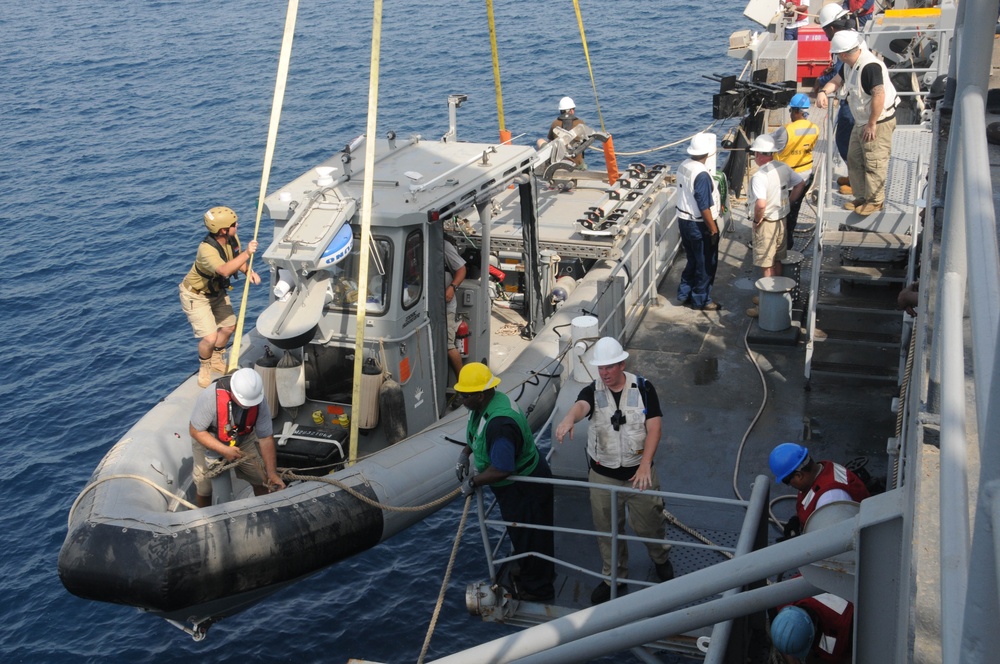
x,y
504,134
272,137
91,486
444,581
903,389
693,533
586,54
288,475
667,145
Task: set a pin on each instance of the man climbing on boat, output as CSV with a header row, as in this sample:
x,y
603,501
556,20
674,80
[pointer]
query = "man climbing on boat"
x,y
698,212
499,443
205,289
818,482
231,421
624,432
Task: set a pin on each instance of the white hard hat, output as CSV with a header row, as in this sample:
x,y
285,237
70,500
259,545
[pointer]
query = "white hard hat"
x,y
830,13
247,387
607,351
703,143
566,103
763,143
845,41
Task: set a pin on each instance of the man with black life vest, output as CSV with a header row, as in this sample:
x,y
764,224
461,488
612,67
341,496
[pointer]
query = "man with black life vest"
x,y
800,136
818,482
815,628
231,421
567,120
624,432
698,213
872,99
205,289
499,443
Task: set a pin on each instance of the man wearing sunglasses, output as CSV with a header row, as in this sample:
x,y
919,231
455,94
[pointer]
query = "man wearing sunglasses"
x,y
818,482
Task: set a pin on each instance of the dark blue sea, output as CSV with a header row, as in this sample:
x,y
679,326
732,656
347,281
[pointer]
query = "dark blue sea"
x,y
121,123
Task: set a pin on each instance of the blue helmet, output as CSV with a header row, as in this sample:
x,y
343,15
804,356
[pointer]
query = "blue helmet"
x,y
800,100
793,631
785,459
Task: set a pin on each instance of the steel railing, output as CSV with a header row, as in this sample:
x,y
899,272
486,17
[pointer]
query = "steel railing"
x,y
969,266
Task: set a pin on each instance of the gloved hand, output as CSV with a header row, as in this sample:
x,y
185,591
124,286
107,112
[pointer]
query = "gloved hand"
x,y
462,466
793,528
468,488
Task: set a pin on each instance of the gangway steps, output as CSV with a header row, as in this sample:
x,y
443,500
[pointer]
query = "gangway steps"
x,y
871,239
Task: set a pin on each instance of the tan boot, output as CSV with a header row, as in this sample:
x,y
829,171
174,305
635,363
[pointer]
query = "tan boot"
x,y
867,209
205,372
218,361
846,190
753,312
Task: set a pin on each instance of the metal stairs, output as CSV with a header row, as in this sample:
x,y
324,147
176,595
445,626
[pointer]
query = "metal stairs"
x,y
859,265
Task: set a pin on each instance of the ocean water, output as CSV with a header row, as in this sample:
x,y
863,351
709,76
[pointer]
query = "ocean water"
x,y
121,123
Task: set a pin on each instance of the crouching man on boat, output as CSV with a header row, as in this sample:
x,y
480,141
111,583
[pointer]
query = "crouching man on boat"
x,y
500,444
814,628
818,482
624,432
231,421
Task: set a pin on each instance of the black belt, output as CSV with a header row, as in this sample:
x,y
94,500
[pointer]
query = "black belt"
x,y
690,216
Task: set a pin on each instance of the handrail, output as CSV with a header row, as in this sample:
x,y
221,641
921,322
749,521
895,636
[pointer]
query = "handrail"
x,y
969,264
494,562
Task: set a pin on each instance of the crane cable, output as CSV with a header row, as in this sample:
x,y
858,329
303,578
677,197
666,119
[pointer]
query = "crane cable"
x,y
609,145
504,134
272,137
367,194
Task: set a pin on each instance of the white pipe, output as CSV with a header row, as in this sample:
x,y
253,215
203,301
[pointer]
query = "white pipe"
x,y
954,488
665,597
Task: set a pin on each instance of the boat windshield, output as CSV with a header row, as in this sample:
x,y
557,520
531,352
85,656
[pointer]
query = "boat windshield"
x,y
345,281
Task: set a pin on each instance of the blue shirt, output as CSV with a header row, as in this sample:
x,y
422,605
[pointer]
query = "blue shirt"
x,y
703,191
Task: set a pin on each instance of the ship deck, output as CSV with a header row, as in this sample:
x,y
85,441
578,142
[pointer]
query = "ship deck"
x,y
729,394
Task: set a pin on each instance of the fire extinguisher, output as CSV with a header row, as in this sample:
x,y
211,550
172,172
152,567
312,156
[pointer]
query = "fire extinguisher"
x,y
462,337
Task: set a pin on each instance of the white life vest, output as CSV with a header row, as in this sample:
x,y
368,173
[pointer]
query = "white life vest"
x,y
622,448
777,176
860,102
687,205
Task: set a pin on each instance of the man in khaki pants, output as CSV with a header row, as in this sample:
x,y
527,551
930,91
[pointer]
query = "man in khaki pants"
x,y
872,100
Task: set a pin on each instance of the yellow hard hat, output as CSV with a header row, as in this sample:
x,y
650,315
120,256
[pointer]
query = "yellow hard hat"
x,y
219,218
476,377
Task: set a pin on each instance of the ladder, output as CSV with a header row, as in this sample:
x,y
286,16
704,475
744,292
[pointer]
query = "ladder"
x,y
860,264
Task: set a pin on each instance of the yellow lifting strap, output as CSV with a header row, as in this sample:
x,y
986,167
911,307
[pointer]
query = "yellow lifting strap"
x,y
272,137
504,134
609,146
366,225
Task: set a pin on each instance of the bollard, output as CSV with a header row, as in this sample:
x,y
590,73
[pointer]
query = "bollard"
x,y
775,303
